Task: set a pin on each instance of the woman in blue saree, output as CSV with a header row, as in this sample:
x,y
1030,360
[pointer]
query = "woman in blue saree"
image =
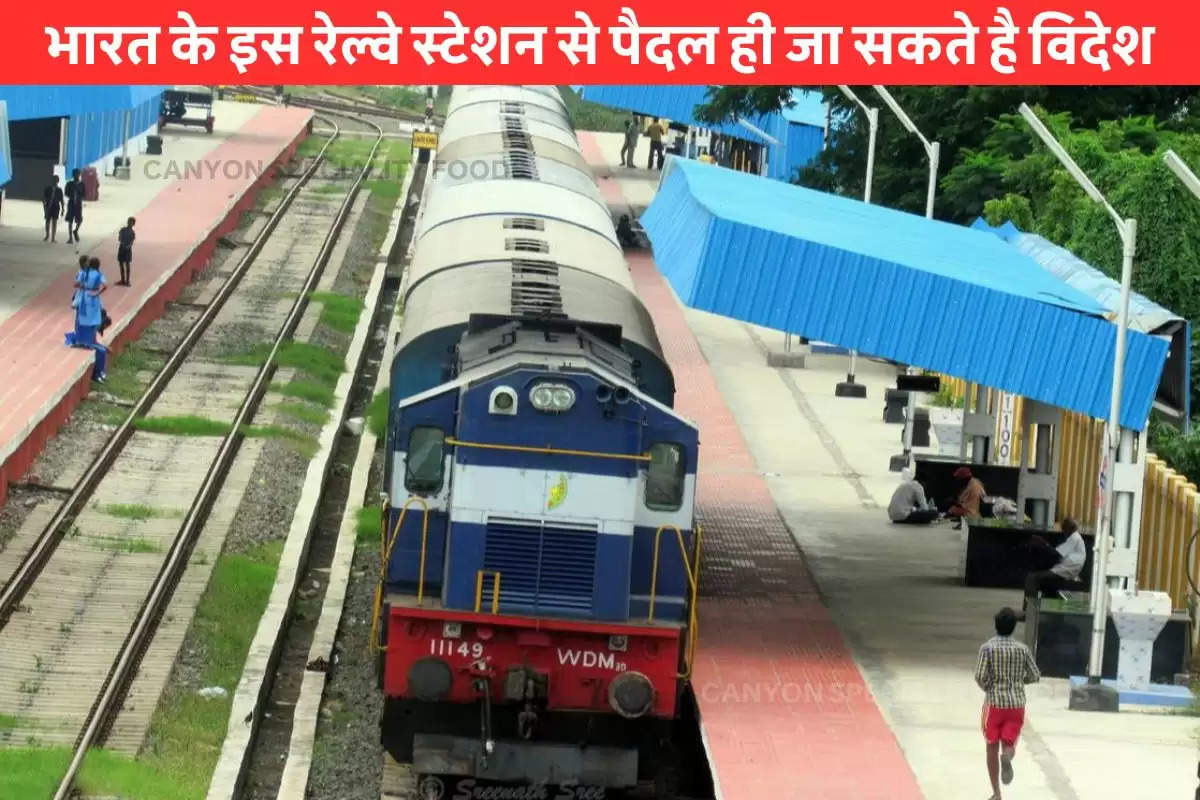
x,y
89,285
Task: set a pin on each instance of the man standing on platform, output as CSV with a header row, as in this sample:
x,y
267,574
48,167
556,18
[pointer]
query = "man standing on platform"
x,y
1004,667
74,193
655,132
629,145
52,204
125,239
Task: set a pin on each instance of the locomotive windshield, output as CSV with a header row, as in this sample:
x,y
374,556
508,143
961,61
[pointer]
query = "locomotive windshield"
x,y
664,477
425,459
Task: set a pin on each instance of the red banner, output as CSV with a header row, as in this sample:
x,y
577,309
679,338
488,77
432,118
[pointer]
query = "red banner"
x,y
771,42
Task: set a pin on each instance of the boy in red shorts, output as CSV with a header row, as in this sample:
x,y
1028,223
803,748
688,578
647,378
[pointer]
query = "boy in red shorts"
x,y
1005,666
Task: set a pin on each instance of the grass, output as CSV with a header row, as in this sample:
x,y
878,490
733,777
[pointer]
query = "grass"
x,y
188,425
377,414
338,311
319,363
306,390
306,149
183,425
270,195
330,188
588,116
304,413
125,544
367,524
123,380
138,512
104,413
10,721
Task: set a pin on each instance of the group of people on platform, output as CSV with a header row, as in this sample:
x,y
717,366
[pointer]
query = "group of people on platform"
x,y
1050,569
91,318
655,132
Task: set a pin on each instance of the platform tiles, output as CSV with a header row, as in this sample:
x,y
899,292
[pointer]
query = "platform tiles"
x,y
885,604
178,226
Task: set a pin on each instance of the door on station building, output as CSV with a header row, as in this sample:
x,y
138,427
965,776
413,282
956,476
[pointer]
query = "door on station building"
x,y
35,150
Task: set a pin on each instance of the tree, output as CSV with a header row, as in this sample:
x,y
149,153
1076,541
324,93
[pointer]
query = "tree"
x,y
960,118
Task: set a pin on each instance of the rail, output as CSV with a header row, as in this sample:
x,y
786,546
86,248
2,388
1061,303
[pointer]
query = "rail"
x,y
386,545
160,593
479,576
691,568
552,451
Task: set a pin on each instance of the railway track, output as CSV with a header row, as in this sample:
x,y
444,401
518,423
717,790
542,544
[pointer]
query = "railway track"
x,y
71,599
342,106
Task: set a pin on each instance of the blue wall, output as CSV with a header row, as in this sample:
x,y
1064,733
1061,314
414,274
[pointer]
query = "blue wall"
x,y
94,134
34,102
5,147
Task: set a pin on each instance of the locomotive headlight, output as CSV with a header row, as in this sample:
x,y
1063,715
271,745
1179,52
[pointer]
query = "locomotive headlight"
x,y
552,397
564,398
451,630
631,694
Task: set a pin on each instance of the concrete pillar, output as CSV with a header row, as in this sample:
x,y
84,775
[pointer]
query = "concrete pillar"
x,y
1138,618
979,425
1128,478
794,354
1037,488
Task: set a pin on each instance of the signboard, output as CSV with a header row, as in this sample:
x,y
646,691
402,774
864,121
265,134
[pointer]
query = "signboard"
x,y
1006,438
424,140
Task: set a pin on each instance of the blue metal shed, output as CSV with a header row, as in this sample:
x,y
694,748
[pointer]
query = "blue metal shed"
x,y
800,128
35,102
1174,391
895,285
5,146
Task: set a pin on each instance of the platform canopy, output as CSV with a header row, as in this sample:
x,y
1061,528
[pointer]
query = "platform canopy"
x,y
939,296
1174,389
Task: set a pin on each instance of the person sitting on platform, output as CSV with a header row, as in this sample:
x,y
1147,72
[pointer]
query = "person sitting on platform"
x,y
969,496
908,505
625,234
1066,562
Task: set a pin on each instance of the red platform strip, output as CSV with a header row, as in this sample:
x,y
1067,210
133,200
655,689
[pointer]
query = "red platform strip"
x,y
43,380
785,711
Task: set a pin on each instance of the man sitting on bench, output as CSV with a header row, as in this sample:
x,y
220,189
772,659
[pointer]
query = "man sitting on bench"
x,y
1066,562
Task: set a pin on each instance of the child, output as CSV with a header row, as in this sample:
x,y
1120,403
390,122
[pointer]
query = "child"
x,y
125,251
1005,666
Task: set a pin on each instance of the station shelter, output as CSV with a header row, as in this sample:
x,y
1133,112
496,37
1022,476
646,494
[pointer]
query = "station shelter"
x,y
1002,314
775,145
57,129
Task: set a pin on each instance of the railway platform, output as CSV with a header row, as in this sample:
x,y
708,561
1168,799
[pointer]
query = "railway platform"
x,y
184,201
837,651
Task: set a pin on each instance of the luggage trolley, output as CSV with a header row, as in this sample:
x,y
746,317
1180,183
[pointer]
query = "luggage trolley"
x,y
187,105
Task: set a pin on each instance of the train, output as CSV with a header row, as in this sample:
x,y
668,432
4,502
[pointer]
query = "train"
x,y
536,613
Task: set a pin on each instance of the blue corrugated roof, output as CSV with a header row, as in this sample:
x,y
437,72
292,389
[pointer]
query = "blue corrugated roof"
x,y
676,103
891,284
808,108
35,102
1144,314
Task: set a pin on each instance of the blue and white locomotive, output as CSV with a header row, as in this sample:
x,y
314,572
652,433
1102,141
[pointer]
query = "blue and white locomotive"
x,y
541,556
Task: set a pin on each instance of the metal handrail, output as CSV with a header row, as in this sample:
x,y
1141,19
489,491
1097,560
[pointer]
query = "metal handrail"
x,y
387,544
554,451
692,570
495,589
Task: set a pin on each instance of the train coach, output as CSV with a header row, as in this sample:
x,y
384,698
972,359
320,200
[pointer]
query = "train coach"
x,y
536,611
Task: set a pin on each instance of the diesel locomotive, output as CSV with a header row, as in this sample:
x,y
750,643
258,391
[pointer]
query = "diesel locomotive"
x,y
536,609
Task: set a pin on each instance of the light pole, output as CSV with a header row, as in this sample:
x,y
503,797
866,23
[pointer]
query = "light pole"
x,y
1116,508
849,388
932,150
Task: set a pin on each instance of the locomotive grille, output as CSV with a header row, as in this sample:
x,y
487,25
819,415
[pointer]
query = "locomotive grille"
x,y
509,107
535,288
543,568
519,164
525,224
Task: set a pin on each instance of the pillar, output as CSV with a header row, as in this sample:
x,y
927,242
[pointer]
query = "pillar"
x,y
979,425
793,354
1128,479
1037,487
1138,618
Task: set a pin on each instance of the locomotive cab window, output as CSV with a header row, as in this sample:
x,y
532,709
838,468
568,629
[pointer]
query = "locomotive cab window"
x,y
664,477
425,459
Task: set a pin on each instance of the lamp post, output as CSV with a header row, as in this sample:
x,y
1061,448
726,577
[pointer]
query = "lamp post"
x,y
849,388
1116,508
932,150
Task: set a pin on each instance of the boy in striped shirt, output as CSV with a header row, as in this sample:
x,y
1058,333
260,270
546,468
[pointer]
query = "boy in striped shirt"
x,y
1005,666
